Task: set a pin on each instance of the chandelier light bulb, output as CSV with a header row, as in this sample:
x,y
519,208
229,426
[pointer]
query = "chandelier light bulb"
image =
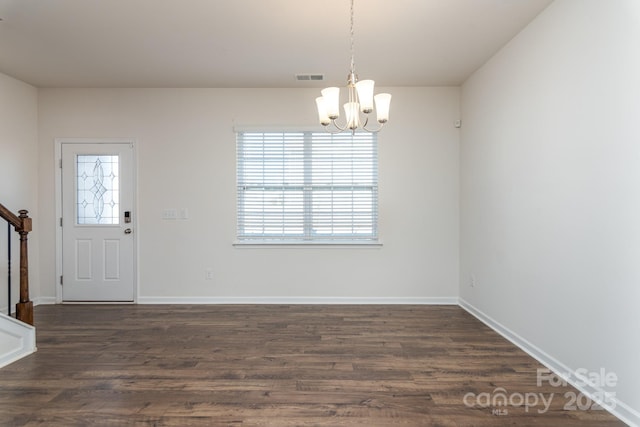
x,y
383,101
331,97
352,113
322,111
365,95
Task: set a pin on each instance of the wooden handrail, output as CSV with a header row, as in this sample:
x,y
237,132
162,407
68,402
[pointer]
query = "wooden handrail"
x,y
23,225
10,217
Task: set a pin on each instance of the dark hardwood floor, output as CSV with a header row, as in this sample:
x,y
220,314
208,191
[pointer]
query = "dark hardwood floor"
x,y
271,365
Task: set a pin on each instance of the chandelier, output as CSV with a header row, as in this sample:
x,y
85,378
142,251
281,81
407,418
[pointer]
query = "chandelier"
x,y
361,100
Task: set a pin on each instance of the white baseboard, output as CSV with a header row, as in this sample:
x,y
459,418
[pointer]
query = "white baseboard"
x,y
299,300
619,409
44,301
36,301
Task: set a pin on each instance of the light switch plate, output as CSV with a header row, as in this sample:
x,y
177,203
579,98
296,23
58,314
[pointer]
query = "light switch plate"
x,y
169,214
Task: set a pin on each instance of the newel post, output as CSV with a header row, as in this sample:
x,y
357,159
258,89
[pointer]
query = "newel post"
x,y
24,308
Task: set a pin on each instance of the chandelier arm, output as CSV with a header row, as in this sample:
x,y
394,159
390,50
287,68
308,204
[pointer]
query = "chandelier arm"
x,y
364,127
366,121
337,127
331,132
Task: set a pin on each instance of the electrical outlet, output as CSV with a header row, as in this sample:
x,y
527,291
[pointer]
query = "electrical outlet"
x,y
208,274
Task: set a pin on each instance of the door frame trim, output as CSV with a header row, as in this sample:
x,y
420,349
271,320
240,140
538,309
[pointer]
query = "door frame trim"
x,y
58,209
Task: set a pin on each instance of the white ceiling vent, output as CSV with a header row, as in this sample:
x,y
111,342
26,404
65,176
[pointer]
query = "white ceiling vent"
x,y
309,77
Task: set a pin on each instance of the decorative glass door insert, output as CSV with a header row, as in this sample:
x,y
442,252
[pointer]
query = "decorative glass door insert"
x,y
98,190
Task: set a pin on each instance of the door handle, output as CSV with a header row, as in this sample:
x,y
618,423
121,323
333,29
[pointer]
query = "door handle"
x,y
128,231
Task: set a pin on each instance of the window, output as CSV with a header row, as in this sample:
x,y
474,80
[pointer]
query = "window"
x,y
308,187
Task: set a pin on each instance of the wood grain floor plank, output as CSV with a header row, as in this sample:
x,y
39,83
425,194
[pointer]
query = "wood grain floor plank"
x,y
272,365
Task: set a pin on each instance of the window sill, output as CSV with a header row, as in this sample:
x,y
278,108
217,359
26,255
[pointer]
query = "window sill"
x,y
242,244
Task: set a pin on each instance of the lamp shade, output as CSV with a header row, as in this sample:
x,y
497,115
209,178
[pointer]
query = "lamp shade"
x,y
352,113
322,111
365,95
331,97
383,100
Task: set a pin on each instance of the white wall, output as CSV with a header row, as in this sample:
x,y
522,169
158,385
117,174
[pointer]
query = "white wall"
x,y
18,176
186,158
550,188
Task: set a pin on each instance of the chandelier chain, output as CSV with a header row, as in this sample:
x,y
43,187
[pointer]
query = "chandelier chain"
x,y
353,64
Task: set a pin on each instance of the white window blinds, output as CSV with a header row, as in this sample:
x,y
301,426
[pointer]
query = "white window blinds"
x,y
307,187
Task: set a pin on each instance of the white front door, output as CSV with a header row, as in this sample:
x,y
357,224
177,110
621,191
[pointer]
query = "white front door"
x,y
97,222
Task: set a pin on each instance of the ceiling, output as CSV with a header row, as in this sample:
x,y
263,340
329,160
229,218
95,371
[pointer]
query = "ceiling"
x,y
252,43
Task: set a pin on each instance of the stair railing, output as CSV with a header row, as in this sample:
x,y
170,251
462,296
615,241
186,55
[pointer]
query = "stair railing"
x,y
9,269
23,225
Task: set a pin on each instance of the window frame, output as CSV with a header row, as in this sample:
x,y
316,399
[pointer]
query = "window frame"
x,y
307,238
